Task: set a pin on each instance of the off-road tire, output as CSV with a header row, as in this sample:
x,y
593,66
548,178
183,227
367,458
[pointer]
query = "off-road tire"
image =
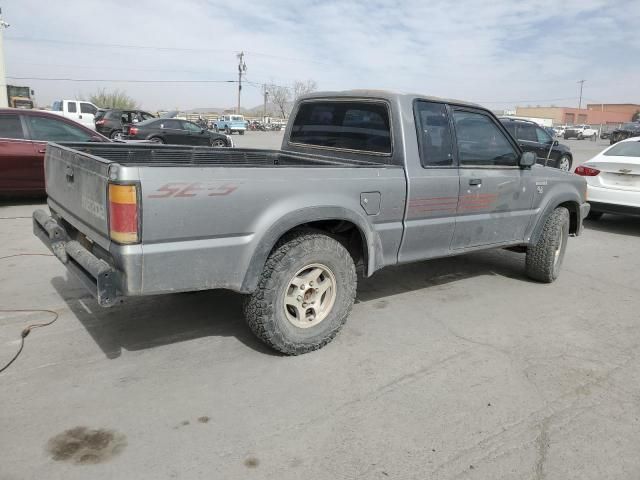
x,y
264,309
594,215
541,263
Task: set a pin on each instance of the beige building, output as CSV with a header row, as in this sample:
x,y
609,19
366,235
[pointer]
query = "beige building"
x,y
594,114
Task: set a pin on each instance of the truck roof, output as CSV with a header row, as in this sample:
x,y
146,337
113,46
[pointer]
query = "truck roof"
x,y
389,95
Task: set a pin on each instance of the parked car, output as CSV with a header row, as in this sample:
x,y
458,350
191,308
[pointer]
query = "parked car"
x,y
613,179
559,130
580,132
175,132
627,130
365,179
230,123
533,138
23,139
79,110
110,122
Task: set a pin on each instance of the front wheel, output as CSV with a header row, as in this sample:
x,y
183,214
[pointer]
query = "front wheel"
x,y
227,131
304,294
241,132
116,135
218,142
544,259
564,163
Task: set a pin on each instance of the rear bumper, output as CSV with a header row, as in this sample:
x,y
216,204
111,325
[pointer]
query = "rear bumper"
x,y
100,278
616,209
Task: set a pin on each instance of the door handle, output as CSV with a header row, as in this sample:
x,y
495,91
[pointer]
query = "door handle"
x,y
79,116
475,181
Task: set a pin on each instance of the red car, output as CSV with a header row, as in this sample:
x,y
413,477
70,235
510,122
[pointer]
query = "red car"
x,y
23,138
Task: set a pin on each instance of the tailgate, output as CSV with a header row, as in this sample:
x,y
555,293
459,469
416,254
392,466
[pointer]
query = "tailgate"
x,y
76,184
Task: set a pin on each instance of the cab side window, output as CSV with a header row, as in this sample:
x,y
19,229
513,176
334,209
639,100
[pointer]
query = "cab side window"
x,y
71,107
480,142
434,134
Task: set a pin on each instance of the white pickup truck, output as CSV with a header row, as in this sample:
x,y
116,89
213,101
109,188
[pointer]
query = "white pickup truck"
x,y
580,132
79,110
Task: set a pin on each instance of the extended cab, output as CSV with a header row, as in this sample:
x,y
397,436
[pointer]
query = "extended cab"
x,y
364,180
79,110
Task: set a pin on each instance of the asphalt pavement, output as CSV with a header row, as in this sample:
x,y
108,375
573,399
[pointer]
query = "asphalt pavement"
x,y
457,368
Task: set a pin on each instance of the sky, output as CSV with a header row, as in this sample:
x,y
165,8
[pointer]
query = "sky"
x,y
498,53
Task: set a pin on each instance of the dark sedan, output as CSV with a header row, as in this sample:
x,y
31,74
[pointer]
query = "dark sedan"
x,y
627,130
111,122
175,132
23,139
533,138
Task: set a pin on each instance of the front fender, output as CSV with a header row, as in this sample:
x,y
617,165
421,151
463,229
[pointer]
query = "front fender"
x,y
554,200
370,238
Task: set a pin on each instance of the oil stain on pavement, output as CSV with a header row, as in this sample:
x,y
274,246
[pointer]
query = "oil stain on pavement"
x,y
83,446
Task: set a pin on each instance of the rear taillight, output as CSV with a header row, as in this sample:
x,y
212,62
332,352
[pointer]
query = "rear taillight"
x,y
99,122
586,171
124,213
133,130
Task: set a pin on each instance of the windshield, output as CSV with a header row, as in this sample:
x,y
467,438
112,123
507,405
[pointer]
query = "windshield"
x,y
237,118
624,149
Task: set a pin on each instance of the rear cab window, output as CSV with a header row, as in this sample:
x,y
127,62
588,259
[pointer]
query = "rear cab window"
x,y
361,126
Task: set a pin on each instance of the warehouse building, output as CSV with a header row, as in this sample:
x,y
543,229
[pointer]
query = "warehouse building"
x,y
594,114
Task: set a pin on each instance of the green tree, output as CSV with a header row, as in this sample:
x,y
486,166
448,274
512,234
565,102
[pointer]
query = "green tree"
x,y
115,99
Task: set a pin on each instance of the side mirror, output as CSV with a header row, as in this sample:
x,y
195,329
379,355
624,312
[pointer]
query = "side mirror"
x,y
527,159
203,130
556,143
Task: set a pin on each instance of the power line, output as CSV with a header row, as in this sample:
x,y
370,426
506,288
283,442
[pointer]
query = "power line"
x,y
163,48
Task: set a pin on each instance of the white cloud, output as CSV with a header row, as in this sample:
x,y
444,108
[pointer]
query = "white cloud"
x,y
500,51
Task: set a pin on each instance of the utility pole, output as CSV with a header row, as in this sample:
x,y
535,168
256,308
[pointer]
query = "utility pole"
x,y
264,109
242,68
4,101
581,82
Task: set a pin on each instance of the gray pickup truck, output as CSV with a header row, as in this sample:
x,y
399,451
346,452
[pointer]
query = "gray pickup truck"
x,y
364,179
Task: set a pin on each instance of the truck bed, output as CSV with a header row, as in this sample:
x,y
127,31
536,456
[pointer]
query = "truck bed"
x,y
148,154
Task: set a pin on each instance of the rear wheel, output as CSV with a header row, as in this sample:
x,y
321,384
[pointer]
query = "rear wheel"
x,y
116,135
227,131
304,295
544,259
594,215
241,132
156,140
